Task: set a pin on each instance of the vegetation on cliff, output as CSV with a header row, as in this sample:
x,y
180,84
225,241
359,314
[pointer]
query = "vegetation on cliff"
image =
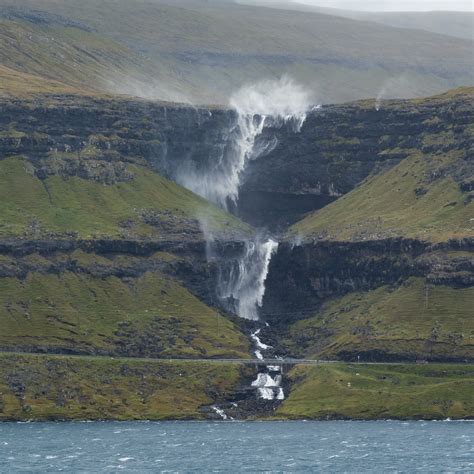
x,y
147,316
87,217
426,197
143,205
86,388
433,391
408,321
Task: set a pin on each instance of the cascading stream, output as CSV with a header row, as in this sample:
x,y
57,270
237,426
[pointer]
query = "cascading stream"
x,y
268,383
266,103
241,283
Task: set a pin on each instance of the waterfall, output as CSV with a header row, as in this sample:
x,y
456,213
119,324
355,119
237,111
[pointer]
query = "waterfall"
x,y
219,180
268,383
270,103
242,281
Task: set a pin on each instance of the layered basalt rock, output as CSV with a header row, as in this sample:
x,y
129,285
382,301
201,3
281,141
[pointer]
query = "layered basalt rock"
x,y
336,148
303,277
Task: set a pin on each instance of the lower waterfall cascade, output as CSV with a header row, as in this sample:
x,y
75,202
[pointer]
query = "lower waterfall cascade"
x,y
267,383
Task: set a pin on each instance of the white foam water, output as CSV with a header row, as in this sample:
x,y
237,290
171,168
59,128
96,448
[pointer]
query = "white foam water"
x,y
258,342
258,105
242,284
268,385
220,412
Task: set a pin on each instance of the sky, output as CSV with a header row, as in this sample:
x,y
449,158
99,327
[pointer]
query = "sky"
x,y
394,5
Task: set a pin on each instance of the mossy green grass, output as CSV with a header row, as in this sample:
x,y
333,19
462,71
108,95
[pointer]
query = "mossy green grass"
x,y
418,198
35,387
366,392
148,316
93,210
412,320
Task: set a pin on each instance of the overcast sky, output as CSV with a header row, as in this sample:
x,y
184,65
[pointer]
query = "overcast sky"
x,y
393,5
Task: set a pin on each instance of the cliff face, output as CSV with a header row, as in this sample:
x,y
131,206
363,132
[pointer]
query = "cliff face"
x,y
96,138
86,205
339,146
302,277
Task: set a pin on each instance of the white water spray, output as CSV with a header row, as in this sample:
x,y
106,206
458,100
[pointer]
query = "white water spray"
x,y
392,87
242,283
268,103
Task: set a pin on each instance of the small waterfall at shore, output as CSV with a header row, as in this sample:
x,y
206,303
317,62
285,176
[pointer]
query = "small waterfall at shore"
x,y
268,383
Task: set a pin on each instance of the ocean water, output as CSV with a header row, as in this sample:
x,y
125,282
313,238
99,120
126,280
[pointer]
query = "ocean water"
x,y
328,446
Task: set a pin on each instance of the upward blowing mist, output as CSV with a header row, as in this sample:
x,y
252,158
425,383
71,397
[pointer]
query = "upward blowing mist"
x,y
265,103
280,99
394,87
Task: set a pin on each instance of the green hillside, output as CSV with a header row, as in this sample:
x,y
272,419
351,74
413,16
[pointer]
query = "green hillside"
x,y
380,392
202,51
86,388
144,204
75,312
114,303
413,320
422,197
17,84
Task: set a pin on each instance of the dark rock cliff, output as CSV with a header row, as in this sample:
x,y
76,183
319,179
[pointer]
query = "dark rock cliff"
x,y
303,277
337,147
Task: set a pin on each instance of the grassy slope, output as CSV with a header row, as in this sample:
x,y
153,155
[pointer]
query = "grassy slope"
x,y
451,23
433,391
58,387
75,311
52,388
204,52
386,205
17,84
413,320
93,210
66,54
151,315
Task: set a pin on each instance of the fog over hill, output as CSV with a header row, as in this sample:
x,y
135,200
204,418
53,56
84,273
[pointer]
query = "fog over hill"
x,y
453,23
201,51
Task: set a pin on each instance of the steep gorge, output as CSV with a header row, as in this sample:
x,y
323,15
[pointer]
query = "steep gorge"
x,y
113,142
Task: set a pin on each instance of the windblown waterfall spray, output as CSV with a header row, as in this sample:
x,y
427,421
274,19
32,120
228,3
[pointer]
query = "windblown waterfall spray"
x,y
242,282
267,103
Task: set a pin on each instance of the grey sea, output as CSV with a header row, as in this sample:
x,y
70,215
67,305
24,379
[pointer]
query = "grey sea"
x,y
327,446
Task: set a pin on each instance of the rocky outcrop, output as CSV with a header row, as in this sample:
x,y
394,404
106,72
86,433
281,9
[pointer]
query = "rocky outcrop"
x,y
302,277
336,148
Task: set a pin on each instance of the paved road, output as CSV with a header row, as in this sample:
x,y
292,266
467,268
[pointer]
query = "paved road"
x,y
287,361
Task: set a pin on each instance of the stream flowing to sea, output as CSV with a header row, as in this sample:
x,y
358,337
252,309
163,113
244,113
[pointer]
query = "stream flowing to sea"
x,y
326,446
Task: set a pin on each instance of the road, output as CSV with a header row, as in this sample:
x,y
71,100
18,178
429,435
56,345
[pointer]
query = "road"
x,y
279,362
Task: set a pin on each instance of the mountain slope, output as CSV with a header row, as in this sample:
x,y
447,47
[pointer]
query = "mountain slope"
x,y
80,310
140,204
426,196
451,23
414,320
202,51
419,198
395,392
